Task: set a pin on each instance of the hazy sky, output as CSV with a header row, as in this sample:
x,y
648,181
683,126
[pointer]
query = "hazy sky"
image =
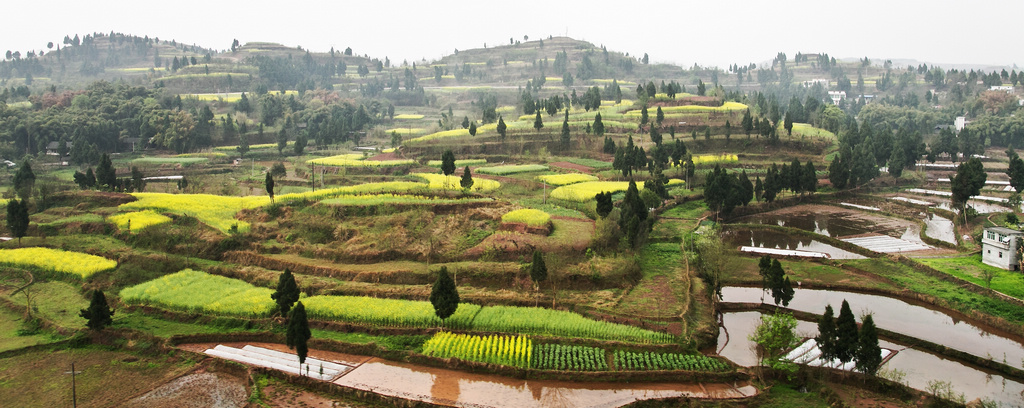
x,y
683,32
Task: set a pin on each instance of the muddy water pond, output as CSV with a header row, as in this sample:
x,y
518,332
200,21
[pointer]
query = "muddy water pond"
x,y
940,228
776,239
457,388
901,317
837,222
920,367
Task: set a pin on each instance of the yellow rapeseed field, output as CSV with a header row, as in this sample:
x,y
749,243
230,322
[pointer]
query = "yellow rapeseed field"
x,y
528,216
75,263
138,220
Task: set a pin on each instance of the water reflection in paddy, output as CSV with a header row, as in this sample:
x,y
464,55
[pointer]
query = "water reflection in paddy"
x,y
835,221
901,317
775,239
940,228
920,367
457,388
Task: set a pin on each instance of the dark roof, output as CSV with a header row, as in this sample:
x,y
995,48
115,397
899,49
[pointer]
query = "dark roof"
x,y
1004,231
55,145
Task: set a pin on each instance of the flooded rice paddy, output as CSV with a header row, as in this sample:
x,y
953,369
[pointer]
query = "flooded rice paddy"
x,y
920,367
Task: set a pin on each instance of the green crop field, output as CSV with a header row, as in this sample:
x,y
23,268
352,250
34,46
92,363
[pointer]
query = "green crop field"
x,y
511,169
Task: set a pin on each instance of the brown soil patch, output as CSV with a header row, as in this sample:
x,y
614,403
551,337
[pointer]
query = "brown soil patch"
x,y
199,389
572,166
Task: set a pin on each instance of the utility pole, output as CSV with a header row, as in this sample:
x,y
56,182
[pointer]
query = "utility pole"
x,y
74,395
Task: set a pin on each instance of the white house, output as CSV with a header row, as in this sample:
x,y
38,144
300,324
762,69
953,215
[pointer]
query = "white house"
x,y
823,81
836,96
959,123
999,247
1007,89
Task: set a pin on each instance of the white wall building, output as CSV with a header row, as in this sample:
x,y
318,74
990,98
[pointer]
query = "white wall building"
x,y
823,81
959,123
999,247
836,96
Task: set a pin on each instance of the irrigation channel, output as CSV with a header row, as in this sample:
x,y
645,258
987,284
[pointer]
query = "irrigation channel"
x,y
913,320
463,389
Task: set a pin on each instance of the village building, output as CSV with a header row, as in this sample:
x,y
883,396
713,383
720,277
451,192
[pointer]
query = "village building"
x,y
999,247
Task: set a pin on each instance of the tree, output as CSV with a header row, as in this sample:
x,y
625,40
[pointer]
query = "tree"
x,y
1016,171
538,122
106,176
774,335
138,182
604,203
444,295
969,179
869,354
472,129
465,122
538,271
467,179
779,284
826,338
90,178
502,128
269,184
808,178
24,180
788,124
747,123
282,139
243,145
98,315
287,292
565,138
659,116
298,333
758,188
448,162
17,218
598,125
846,334
300,144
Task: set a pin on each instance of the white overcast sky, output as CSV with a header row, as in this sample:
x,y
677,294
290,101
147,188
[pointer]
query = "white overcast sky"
x,y
983,32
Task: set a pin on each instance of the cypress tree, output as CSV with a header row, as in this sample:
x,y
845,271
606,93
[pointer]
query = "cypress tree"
x,y
846,334
538,271
502,127
826,339
604,203
467,179
106,176
17,218
444,295
98,315
869,355
287,292
298,332
269,183
448,162
23,180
